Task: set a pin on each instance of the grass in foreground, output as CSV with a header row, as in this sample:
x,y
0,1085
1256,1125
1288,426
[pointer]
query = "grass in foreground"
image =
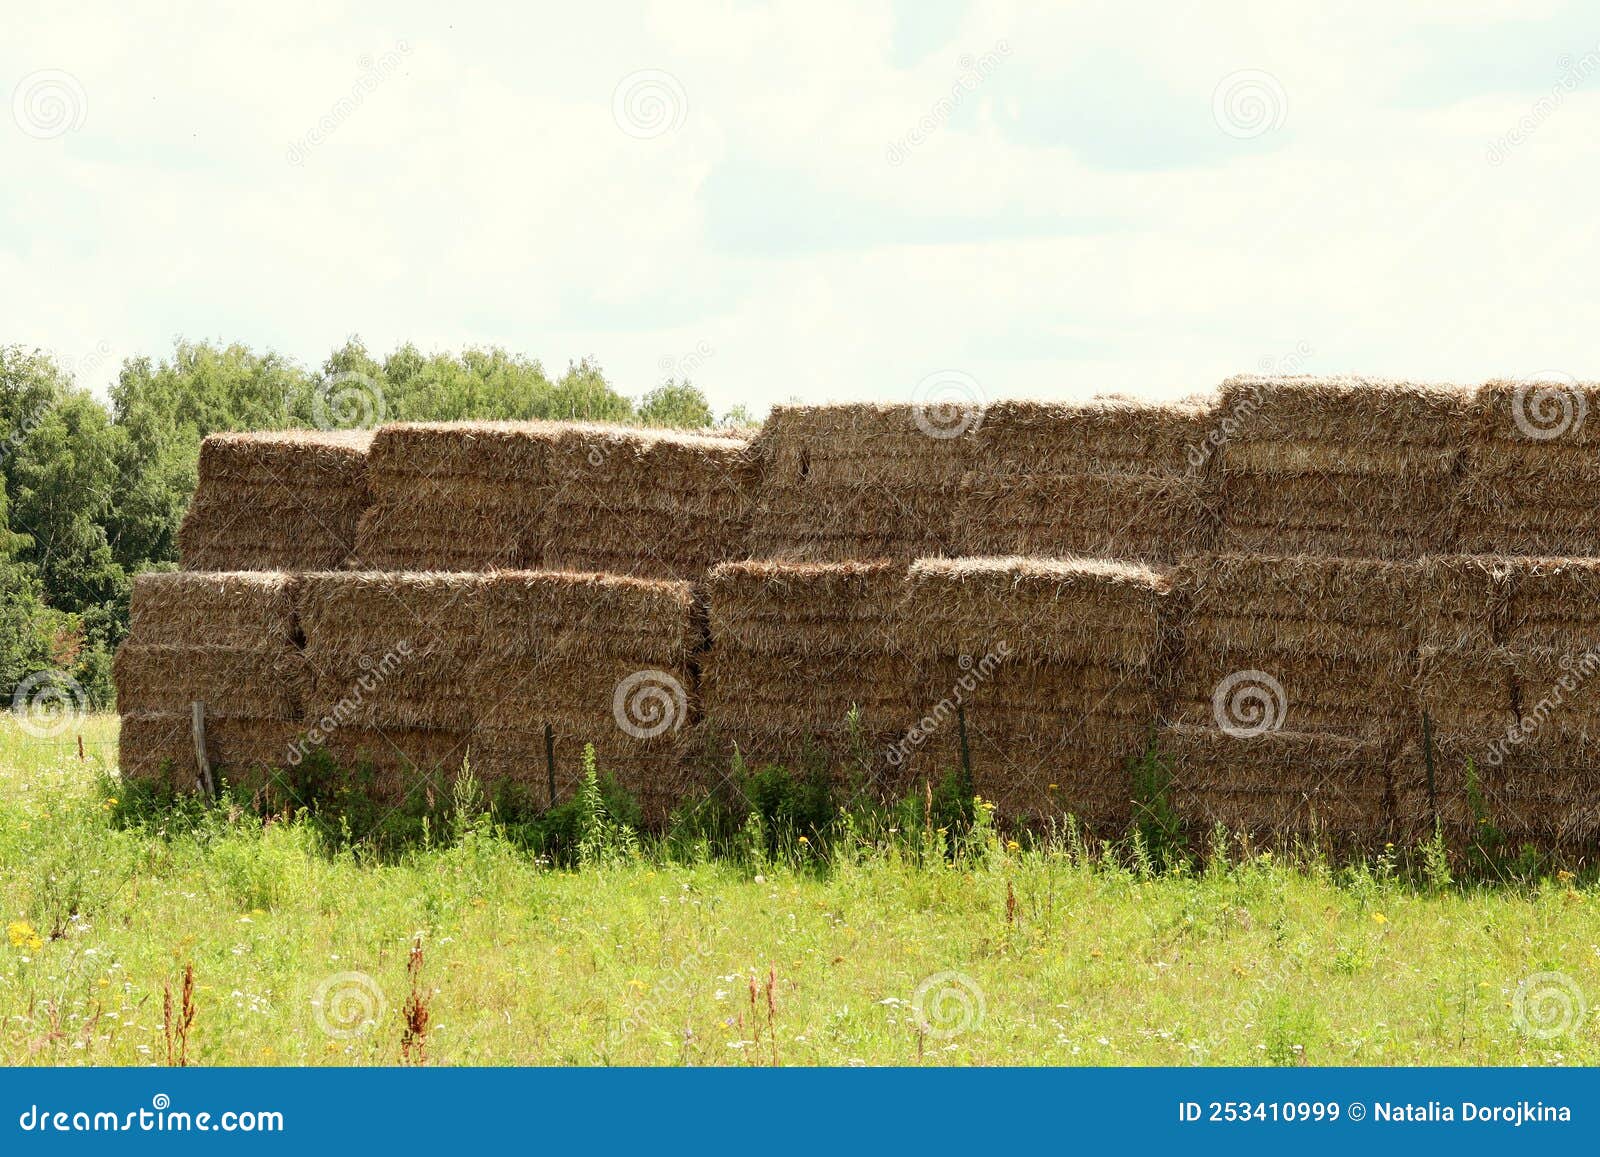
x,y
306,955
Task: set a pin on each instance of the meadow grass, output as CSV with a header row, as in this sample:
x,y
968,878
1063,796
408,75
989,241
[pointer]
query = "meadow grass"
x,y
302,949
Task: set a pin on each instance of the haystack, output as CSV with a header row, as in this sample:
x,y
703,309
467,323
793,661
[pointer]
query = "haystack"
x,y
606,660
282,501
1531,480
245,754
455,496
859,482
1339,466
1052,666
1307,643
1110,477
391,649
226,640
652,503
1278,782
795,649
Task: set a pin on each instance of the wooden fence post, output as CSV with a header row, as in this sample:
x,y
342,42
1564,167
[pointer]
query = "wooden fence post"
x,y
207,784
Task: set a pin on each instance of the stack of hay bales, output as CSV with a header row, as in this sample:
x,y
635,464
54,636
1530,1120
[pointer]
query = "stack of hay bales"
x,y
601,659
1541,781
1340,466
795,647
1531,479
651,503
390,655
285,501
1052,662
1291,691
1110,478
857,482
223,639
455,496
1465,691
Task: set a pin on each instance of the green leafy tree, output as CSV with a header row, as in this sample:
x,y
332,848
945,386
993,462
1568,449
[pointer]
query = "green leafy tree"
x,y
676,403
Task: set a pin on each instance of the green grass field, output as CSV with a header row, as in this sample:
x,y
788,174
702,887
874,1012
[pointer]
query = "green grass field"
x,y
300,954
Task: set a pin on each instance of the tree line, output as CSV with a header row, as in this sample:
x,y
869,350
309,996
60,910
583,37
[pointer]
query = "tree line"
x,y
94,490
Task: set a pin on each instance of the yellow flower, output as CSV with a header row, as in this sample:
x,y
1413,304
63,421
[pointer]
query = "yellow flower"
x,y
1379,918
1012,845
803,840
1054,787
22,935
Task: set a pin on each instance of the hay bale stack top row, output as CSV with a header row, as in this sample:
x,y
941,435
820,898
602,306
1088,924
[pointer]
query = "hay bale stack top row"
x,y
280,501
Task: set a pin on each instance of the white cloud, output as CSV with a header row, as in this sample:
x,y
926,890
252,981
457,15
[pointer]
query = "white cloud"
x,y
483,193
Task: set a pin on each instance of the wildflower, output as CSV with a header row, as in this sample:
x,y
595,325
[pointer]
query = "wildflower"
x,y
22,935
1379,918
1012,846
803,840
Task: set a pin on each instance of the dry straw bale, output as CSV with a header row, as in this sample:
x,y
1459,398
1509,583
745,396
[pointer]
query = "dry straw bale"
x,y
1279,782
1554,604
1531,479
1075,610
1544,790
534,613
760,673
1104,436
225,639
276,501
1379,414
1107,477
1467,692
1337,635
655,503
1049,662
456,495
390,649
857,482
158,749
1340,466
805,608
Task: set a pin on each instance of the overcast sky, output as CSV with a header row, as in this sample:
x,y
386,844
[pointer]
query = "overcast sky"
x,y
829,202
